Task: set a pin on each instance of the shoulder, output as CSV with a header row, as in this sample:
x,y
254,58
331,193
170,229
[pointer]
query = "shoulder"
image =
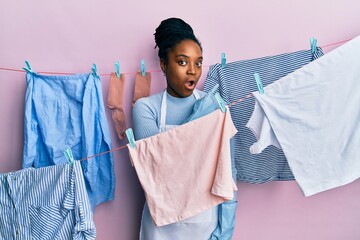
x,y
152,102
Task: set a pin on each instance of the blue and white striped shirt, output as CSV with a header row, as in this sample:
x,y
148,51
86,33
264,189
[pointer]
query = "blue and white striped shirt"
x,y
236,80
45,203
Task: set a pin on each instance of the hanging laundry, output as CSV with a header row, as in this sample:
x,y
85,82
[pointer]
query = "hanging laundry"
x,y
226,210
314,113
142,86
115,103
68,111
236,81
45,203
159,113
167,191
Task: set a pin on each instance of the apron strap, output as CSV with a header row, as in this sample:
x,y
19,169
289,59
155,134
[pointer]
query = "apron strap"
x,y
164,105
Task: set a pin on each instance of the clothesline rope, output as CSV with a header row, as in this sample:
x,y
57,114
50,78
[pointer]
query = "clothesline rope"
x,y
151,71
102,153
124,146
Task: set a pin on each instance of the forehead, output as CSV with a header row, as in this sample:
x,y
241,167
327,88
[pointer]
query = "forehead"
x,y
188,48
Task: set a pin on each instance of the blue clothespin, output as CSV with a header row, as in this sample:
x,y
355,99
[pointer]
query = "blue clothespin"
x,y
214,88
143,70
130,136
223,59
94,70
313,45
69,156
28,67
221,102
117,69
259,83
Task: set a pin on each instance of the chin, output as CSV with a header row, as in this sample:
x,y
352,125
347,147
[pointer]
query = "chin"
x,y
187,93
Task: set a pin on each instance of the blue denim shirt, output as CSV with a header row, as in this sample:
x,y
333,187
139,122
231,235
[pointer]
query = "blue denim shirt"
x,y
68,111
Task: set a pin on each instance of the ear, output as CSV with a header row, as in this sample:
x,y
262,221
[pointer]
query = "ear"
x,y
163,65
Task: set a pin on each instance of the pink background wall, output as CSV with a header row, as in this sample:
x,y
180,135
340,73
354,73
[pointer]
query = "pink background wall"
x,y
68,36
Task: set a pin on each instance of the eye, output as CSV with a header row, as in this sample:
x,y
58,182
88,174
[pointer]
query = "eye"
x,y
182,63
198,64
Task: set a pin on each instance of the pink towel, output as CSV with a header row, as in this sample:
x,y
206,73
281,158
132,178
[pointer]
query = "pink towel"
x,y
187,169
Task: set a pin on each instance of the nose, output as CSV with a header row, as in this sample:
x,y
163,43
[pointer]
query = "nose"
x,y
191,69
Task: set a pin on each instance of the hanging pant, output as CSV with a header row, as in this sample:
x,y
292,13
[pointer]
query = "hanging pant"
x,y
48,203
236,81
314,115
68,111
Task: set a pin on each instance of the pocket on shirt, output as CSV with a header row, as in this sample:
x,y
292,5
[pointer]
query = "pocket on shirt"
x,y
45,221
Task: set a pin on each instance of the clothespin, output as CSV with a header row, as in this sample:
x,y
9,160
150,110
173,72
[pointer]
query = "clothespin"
x,y
130,136
142,66
259,83
223,59
313,45
69,156
28,67
94,70
221,102
214,88
117,69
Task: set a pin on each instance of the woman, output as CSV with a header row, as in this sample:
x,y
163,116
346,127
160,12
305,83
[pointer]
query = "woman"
x,y
181,59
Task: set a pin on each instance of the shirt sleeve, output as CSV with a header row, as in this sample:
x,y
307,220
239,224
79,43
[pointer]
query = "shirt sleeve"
x,y
145,119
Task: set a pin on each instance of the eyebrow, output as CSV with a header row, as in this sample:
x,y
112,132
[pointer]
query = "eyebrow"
x,y
183,55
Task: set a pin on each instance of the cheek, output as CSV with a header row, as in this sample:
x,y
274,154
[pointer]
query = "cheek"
x,y
177,74
199,72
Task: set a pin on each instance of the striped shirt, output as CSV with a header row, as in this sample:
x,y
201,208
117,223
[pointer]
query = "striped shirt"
x,y
236,81
317,125
45,203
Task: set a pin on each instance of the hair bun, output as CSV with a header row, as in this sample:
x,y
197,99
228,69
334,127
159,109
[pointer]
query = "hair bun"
x,y
170,32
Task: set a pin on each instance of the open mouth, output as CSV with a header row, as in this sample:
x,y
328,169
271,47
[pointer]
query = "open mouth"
x,y
190,84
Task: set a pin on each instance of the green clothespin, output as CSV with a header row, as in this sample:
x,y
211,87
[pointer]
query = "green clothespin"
x,y
69,156
130,136
259,83
117,69
28,67
94,70
313,45
223,59
142,66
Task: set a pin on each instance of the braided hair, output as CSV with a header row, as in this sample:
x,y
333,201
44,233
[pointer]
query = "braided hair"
x,y
169,33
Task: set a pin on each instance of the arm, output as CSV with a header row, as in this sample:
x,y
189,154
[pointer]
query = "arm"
x,y
145,119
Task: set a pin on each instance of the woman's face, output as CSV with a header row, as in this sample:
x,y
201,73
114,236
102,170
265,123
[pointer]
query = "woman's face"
x,y
183,69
